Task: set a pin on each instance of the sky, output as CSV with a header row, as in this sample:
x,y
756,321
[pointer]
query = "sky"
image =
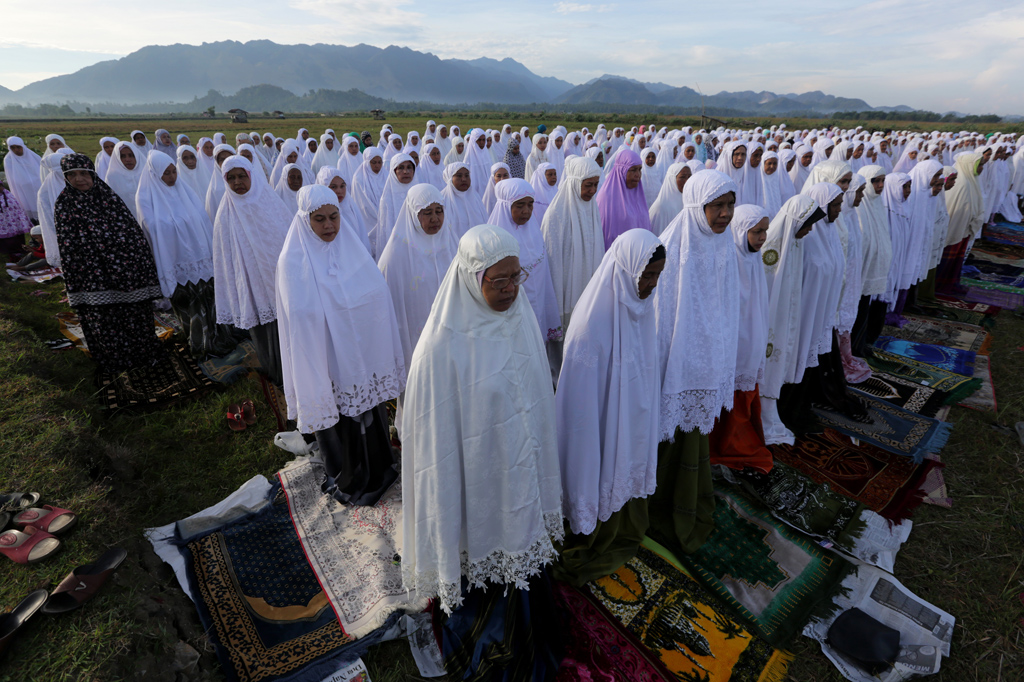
x,y
938,55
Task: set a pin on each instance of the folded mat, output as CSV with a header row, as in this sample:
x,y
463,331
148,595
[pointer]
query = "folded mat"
x,y
949,359
955,386
175,378
985,397
948,333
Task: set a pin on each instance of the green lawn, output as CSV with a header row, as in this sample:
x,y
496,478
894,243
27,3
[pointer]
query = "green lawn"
x,y
126,473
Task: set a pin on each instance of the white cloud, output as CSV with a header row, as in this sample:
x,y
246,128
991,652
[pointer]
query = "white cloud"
x,y
577,8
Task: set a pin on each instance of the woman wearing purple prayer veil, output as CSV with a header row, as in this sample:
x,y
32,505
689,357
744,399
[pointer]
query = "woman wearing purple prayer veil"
x,y
621,198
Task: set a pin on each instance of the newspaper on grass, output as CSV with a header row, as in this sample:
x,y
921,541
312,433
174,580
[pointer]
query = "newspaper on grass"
x,y
926,631
353,672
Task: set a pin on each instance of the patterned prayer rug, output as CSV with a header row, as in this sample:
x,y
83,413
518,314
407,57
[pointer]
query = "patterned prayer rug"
x,y
773,575
884,482
891,428
1004,233
904,393
1013,285
233,366
596,643
956,386
260,602
948,302
949,359
174,379
37,276
985,398
934,486
1003,299
70,326
1008,251
991,268
353,550
689,630
946,333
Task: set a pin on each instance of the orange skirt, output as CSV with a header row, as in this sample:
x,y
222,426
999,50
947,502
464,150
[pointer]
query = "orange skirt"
x,y
737,440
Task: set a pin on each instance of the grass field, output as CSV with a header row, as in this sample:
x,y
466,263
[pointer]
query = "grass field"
x,y
84,134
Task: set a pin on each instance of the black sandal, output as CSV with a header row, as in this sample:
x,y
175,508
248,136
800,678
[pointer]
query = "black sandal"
x,y
11,622
18,501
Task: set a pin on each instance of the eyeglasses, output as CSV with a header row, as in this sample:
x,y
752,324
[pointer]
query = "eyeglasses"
x,y
503,282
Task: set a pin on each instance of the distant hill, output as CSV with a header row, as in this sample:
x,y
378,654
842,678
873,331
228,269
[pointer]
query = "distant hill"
x,y
391,72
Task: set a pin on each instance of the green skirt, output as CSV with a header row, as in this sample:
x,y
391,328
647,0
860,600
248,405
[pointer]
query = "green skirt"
x,y
612,543
683,506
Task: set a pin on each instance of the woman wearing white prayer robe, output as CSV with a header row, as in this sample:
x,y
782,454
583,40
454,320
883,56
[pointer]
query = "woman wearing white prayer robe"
x,y
53,184
340,353
415,261
248,234
478,160
431,167
393,147
215,192
463,209
190,174
480,474
125,172
572,234
102,161
649,178
783,258
801,169
456,153
499,171
22,170
538,154
290,153
350,158
669,202
545,182
608,408
771,187
288,187
326,154
368,185
181,233
54,143
351,217
514,212
401,178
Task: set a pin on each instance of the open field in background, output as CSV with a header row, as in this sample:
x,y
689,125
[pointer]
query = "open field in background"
x,y
84,134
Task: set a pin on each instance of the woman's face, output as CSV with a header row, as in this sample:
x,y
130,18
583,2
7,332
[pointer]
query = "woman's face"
x,y
405,172
600,159
246,154
376,163
294,179
950,181
127,158
906,191
805,160
859,196
650,160
834,207
170,176
542,144
325,222
912,154
108,147
551,175
790,164
414,156
311,145
79,179
878,184
292,158
139,139
937,183
755,158
165,139
649,278
222,156
770,166
353,148
757,235
189,159
17,149
719,212
499,175
208,148
558,142
681,177
522,210
844,182
504,271
460,147
481,141
859,152
739,157
305,134
689,153
435,156
339,187
828,152
329,143
396,143
633,177
431,218
238,181
55,145
588,188
461,180
641,142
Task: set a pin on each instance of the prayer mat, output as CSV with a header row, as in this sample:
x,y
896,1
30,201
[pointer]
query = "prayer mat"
x,y
775,577
980,252
260,603
174,379
1012,285
943,357
892,428
985,398
884,482
71,327
967,316
38,276
596,643
988,267
956,386
1008,251
934,486
947,302
956,335
1004,233
1003,299
904,393
233,366
353,550
687,628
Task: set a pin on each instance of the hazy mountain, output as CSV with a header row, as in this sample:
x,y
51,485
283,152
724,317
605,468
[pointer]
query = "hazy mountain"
x,y
392,72
609,91
653,87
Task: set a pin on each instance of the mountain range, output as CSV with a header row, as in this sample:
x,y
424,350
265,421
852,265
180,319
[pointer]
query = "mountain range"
x,y
263,75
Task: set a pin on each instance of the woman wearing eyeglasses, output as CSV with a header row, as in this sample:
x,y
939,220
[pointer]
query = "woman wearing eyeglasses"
x,y
480,474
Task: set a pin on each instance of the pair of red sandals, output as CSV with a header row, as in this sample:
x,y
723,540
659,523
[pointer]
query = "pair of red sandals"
x,y
241,415
34,537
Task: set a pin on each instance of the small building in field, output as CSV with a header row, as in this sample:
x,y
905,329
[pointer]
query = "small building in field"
x,y
378,114
239,115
